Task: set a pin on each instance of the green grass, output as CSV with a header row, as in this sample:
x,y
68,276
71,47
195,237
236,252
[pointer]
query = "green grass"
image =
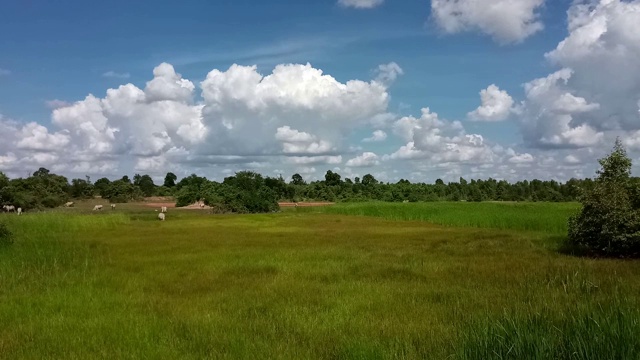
x,y
544,217
304,285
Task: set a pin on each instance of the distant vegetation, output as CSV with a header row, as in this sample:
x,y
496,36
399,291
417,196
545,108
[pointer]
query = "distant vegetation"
x,y
251,192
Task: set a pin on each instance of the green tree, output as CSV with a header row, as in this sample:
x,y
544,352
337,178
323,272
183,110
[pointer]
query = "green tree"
x,y
297,179
145,183
609,221
170,180
332,179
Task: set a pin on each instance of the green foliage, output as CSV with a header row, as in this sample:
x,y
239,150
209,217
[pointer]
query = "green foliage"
x,y
6,236
121,191
43,189
170,180
81,189
145,183
100,185
248,192
609,221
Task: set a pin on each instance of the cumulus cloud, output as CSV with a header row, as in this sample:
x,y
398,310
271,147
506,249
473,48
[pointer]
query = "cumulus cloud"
x,y
116,75
593,97
308,114
496,105
377,136
360,4
388,73
366,159
506,21
439,141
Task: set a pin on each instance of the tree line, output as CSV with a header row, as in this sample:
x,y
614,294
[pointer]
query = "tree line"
x,y
247,191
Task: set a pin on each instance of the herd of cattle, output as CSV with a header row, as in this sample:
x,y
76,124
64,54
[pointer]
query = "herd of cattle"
x,y
161,215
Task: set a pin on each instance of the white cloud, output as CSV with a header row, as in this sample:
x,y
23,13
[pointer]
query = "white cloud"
x,y
506,21
360,4
521,158
308,114
33,136
116,75
594,96
366,159
439,141
572,159
377,136
496,105
55,103
554,117
388,73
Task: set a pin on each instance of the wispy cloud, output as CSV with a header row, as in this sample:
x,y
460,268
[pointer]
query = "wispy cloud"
x,y
360,4
113,74
4,72
56,104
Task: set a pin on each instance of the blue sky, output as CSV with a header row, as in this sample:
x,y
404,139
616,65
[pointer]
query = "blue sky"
x,y
65,51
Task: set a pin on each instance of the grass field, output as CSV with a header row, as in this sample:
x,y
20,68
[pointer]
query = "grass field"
x,y
309,284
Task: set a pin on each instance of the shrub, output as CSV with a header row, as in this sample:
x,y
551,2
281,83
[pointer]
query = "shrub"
x,y
6,237
609,221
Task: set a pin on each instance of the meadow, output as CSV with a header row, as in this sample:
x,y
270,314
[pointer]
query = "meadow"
x,y
352,281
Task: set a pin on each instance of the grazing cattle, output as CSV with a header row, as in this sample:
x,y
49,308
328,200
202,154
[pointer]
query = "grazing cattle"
x,y
69,204
201,205
161,216
9,208
163,209
97,207
19,211
113,206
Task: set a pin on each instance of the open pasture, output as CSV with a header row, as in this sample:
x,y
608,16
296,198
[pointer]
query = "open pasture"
x,y
306,284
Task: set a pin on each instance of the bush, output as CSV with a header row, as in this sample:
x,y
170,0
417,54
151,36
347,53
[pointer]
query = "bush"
x,y
609,221
6,237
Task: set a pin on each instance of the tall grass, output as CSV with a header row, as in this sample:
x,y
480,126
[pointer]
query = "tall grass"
x,y
300,285
545,217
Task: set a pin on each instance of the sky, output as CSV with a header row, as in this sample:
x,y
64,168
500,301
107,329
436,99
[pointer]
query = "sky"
x,y
400,89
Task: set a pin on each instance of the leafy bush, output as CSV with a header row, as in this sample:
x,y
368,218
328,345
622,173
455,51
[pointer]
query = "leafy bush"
x,y
6,237
609,222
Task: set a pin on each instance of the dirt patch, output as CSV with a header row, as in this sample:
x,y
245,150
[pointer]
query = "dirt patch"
x,y
159,204
304,204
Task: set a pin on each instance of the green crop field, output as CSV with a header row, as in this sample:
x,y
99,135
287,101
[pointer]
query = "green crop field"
x,y
351,281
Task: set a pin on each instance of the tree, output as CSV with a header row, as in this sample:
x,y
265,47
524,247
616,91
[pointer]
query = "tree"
x,y
145,183
100,185
297,179
332,179
609,221
170,180
369,180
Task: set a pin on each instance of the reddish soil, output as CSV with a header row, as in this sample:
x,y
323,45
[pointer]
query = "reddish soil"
x,y
304,204
197,206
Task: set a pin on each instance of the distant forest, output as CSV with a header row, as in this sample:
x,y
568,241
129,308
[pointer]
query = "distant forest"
x,y
248,191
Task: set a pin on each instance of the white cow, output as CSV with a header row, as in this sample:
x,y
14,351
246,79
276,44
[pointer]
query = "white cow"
x,y
201,205
161,216
9,208
69,204
19,211
113,206
163,209
97,207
